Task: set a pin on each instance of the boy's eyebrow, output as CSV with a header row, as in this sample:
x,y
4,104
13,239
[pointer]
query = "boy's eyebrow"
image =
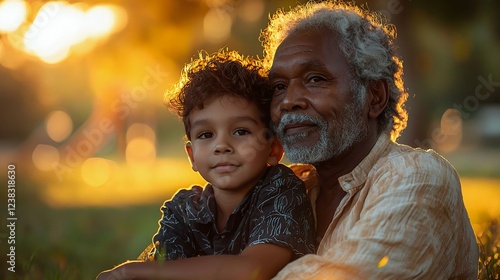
x,y
198,123
245,118
235,119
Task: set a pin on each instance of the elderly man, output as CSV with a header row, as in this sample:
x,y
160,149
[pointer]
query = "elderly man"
x,y
383,210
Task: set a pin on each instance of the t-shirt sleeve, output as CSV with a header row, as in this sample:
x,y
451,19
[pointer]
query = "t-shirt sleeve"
x,y
282,214
174,238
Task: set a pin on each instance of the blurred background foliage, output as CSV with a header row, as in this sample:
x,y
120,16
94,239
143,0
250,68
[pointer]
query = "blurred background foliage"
x,y
96,152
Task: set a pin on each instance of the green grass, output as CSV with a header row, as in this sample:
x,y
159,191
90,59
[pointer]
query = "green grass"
x,y
489,250
77,243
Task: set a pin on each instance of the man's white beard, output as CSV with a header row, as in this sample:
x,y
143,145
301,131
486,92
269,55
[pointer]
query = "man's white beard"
x,y
343,134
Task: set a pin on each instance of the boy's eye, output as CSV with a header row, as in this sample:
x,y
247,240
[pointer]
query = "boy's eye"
x,y
241,131
204,135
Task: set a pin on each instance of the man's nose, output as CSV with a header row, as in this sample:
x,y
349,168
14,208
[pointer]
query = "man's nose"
x,y
294,98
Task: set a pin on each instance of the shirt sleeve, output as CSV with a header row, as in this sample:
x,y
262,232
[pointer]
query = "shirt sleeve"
x,y
282,215
408,229
174,238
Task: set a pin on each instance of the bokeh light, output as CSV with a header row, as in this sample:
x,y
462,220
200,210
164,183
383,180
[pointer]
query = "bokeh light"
x,y
103,19
55,29
140,130
251,11
451,131
12,15
58,27
96,171
140,150
59,126
45,157
383,261
141,147
217,26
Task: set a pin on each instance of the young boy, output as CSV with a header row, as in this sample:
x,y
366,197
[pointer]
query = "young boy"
x,y
253,216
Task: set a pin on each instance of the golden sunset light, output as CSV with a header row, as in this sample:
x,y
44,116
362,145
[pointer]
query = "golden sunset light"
x,y
95,150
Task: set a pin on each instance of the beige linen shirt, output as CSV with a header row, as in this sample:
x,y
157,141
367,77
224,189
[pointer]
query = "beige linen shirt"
x,y
403,218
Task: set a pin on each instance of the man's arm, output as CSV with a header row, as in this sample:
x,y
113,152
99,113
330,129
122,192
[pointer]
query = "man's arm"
x,y
262,261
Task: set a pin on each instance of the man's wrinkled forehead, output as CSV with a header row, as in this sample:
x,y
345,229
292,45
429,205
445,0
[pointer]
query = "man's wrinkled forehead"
x,y
306,48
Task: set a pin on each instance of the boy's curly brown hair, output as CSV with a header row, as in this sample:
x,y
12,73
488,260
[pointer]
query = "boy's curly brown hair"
x,y
215,75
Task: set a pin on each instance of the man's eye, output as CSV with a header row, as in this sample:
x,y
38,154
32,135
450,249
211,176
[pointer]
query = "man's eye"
x,y
315,79
279,88
240,132
204,135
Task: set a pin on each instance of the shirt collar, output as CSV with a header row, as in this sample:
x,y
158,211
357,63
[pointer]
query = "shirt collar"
x,y
353,181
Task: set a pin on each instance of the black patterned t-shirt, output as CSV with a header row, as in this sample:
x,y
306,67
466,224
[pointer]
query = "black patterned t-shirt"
x,y
277,211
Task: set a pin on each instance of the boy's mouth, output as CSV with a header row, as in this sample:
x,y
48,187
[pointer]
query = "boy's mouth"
x,y
225,167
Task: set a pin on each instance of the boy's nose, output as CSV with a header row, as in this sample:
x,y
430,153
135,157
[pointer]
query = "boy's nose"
x,y
223,147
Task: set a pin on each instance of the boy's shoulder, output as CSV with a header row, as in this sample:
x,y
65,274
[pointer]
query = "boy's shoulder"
x,y
281,190
280,179
193,193
281,172
195,203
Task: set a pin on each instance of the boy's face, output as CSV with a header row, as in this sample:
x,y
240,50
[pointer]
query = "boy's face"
x,y
229,146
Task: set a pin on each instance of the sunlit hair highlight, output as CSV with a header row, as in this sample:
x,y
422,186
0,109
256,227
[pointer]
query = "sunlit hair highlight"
x,y
365,39
215,75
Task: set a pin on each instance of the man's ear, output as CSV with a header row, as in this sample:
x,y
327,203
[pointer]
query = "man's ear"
x,y
189,152
276,153
378,97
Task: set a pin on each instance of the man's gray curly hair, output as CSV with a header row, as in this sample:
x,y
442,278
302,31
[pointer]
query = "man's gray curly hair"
x,y
365,39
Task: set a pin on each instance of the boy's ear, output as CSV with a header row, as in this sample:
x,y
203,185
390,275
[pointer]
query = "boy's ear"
x,y
276,153
189,152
